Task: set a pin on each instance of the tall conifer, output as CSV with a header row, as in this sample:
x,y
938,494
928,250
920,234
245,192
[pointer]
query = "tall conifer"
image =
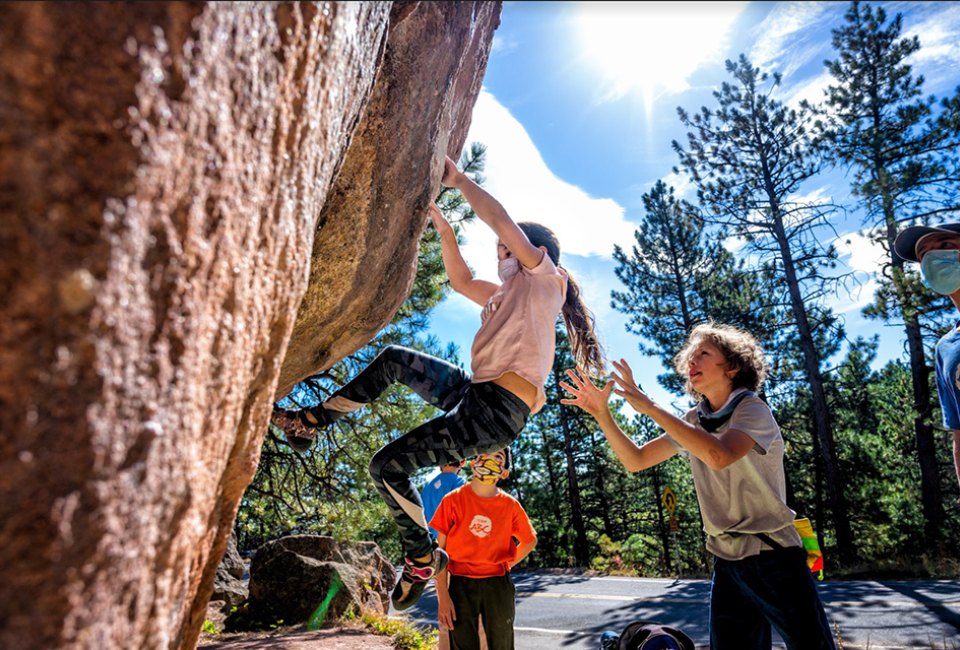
x,y
904,166
750,158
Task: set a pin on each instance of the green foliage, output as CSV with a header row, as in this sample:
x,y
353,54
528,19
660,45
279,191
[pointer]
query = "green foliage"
x,y
405,635
608,560
903,161
877,121
209,627
249,619
875,442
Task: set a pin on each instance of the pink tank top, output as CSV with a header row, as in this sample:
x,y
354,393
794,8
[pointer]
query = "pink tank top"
x,y
518,330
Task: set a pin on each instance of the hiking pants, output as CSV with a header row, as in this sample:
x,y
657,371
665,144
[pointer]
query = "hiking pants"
x,y
494,599
774,587
477,419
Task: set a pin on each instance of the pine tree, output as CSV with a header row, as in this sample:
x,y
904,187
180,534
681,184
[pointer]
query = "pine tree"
x,y
677,276
904,162
749,159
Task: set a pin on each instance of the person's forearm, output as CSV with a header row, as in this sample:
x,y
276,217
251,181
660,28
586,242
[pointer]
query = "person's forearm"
x,y
457,270
490,211
698,442
443,585
626,450
522,552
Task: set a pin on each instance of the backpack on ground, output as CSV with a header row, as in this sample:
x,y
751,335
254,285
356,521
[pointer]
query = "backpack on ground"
x,y
646,635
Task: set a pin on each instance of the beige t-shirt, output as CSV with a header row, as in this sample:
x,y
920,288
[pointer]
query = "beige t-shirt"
x,y
518,332
748,496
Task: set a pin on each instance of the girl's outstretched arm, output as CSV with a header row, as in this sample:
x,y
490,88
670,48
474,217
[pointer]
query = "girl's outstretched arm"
x,y
461,279
595,402
492,213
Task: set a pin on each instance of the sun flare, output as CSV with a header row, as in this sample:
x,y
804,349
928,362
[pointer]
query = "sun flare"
x,y
651,48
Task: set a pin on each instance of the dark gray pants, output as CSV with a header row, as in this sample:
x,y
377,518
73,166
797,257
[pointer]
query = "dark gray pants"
x,y
477,419
774,587
494,598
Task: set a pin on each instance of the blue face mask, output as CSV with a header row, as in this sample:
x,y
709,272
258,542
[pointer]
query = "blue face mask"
x,y
941,271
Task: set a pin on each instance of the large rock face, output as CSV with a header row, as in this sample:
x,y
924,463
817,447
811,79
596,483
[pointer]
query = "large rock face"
x,y
164,171
426,87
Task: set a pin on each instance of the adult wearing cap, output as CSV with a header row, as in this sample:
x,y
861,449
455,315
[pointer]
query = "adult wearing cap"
x,y
937,249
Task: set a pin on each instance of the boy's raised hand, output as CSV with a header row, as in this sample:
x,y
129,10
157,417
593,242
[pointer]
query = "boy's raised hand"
x,y
628,388
591,399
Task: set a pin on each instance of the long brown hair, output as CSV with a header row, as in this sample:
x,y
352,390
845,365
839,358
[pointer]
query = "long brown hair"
x,y
580,322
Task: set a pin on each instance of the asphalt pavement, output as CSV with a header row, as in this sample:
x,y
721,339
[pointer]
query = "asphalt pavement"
x,y
571,611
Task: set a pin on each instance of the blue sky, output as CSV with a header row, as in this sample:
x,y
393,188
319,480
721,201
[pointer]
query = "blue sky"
x,y
578,111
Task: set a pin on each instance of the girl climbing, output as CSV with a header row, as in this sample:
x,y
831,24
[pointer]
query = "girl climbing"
x,y
483,410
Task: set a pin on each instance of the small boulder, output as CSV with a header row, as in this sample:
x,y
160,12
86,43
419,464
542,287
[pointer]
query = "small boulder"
x,y
314,578
229,587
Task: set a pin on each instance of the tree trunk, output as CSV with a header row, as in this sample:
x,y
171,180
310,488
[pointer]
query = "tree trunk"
x,y
601,471
552,478
919,375
821,415
661,526
580,551
923,432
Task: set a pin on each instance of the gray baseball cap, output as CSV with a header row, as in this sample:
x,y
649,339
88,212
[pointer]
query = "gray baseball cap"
x,y
905,244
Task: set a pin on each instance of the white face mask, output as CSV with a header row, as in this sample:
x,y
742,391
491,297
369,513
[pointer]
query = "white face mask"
x,y
508,268
941,271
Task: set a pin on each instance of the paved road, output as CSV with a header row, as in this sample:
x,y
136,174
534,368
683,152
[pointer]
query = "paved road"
x,y
570,611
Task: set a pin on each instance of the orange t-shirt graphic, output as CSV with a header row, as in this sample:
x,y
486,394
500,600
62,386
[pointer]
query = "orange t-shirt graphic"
x,y
480,531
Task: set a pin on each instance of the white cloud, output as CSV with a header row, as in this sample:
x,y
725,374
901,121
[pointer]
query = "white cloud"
x,y
939,52
819,196
517,176
812,90
683,187
862,252
864,257
734,244
503,44
651,47
780,37
853,299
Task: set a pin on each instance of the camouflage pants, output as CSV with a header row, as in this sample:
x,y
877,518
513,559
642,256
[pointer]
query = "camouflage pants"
x,y
477,418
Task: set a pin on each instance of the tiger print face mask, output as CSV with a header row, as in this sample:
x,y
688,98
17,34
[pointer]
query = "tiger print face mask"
x,y
488,468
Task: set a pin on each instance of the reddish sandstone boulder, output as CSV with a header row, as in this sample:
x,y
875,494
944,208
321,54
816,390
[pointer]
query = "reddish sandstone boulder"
x,y
164,171
365,254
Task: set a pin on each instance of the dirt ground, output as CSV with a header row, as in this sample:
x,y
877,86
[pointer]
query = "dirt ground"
x,y
348,636
298,638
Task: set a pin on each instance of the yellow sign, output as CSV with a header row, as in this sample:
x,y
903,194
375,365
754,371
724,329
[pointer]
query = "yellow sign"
x,y
669,500
674,526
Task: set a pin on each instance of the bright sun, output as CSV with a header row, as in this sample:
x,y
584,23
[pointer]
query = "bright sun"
x,y
650,48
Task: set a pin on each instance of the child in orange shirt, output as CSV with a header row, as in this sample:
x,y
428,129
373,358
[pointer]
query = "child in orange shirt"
x,y
486,532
